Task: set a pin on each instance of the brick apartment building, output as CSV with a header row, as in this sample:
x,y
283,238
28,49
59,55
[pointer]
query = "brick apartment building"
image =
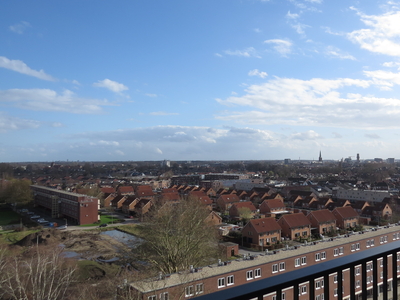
x,y
201,280
76,208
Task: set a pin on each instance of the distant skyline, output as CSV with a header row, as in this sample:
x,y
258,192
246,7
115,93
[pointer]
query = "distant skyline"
x,y
199,80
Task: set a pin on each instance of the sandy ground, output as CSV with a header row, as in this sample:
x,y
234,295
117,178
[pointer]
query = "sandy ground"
x,y
87,244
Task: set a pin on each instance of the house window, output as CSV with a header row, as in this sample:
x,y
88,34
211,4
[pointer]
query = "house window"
x,y
304,260
282,266
317,256
304,233
323,255
372,243
381,262
230,280
381,275
335,292
341,251
257,273
304,289
249,275
335,279
199,288
353,247
189,291
164,296
381,240
152,298
297,262
283,296
358,246
357,271
221,282
317,285
357,283
274,268
335,252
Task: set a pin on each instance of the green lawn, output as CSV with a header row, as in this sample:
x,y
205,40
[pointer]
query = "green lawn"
x,y
9,217
104,219
11,237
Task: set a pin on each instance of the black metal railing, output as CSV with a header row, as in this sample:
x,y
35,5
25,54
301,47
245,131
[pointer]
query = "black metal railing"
x,y
275,284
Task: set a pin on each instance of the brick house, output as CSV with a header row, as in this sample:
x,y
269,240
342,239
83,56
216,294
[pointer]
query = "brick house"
x,y
262,232
272,207
295,226
225,201
346,217
238,208
129,204
322,220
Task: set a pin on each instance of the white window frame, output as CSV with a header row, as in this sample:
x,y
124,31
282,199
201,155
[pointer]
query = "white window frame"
x,y
230,280
323,255
275,268
257,273
164,296
341,251
282,266
199,288
335,252
154,297
317,256
304,260
249,275
189,291
297,262
221,282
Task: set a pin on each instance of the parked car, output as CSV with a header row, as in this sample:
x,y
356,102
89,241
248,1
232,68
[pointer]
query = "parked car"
x,y
30,213
42,221
62,227
103,225
35,217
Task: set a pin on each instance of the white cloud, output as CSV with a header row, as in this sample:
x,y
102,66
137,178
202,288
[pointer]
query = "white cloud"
x,y
163,113
314,102
49,100
9,123
256,72
281,46
248,52
308,135
20,67
392,64
151,95
289,15
336,52
111,85
372,136
381,36
20,27
257,30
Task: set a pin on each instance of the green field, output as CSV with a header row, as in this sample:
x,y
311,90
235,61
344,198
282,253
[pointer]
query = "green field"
x,y
104,219
8,217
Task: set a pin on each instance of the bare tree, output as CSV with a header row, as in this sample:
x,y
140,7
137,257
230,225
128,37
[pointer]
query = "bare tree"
x,y
40,274
177,236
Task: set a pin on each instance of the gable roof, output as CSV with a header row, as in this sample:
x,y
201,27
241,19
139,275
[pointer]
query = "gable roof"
x,y
273,203
295,220
229,198
323,216
346,212
265,225
243,204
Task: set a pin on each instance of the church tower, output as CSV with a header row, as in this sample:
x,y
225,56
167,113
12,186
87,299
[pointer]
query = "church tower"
x,y
320,157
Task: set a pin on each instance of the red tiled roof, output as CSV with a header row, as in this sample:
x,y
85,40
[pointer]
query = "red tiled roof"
x,y
346,212
229,198
265,225
243,204
296,220
323,216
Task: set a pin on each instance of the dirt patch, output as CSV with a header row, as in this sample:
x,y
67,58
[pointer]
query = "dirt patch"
x,y
87,244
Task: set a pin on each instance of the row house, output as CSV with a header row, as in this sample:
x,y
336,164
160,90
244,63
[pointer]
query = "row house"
x,y
237,209
346,217
272,208
225,201
295,226
322,221
262,232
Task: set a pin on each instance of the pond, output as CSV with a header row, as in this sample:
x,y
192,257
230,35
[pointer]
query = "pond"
x,y
123,237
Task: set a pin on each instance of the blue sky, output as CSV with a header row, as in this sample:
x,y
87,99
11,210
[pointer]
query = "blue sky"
x,y
199,79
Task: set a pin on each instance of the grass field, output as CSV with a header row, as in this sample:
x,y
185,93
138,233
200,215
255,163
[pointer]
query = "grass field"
x,y
104,219
9,217
11,237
